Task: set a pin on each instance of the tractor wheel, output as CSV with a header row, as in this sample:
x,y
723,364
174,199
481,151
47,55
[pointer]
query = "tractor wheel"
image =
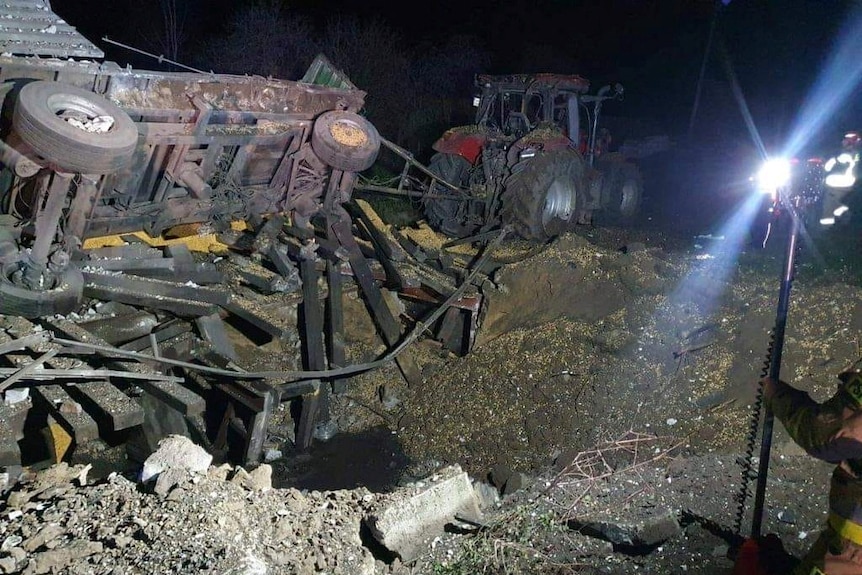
x,y
345,141
622,192
62,296
542,198
449,216
44,118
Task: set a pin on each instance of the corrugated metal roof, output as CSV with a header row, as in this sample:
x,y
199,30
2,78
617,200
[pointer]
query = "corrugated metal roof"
x,y
29,27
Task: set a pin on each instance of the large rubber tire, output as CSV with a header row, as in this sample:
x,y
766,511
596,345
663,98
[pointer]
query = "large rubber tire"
x,y
541,199
63,297
61,145
345,141
622,192
448,216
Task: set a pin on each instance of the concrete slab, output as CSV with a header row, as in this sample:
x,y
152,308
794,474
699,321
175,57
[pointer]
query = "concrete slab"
x,y
410,520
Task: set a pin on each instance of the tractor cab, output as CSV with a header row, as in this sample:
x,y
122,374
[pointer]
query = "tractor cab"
x,y
517,104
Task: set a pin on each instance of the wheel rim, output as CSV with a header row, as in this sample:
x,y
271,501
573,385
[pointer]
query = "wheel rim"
x,y
559,202
348,133
629,199
14,274
78,109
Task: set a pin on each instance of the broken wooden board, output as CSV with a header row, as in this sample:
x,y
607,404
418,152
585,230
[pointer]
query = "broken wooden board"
x,y
180,398
12,419
251,312
212,330
178,298
80,424
122,411
99,397
176,263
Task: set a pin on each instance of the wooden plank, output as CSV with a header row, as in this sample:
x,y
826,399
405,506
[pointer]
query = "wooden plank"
x,y
451,331
33,25
212,330
388,323
177,306
312,339
156,287
122,411
335,323
260,421
10,453
162,268
178,397
81,425
127,252
247,311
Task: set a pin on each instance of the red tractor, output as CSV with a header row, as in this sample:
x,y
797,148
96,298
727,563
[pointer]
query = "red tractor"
x,y
535,160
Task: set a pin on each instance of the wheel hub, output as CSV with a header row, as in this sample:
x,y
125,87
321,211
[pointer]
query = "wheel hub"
x,y
559,202
348,134
628,201
30,276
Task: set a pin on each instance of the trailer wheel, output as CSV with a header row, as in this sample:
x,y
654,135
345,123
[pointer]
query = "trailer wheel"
x,y
62,296
542,198
44,116
622,192
345,141
449,216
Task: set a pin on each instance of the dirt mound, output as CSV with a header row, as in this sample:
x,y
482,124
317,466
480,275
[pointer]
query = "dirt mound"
x,y
584,342
611,385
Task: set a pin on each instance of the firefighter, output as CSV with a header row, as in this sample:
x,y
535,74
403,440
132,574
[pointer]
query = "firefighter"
x,y
831,431
840,178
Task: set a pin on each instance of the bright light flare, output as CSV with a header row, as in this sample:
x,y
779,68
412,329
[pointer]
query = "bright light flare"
x,y
838,81
773,175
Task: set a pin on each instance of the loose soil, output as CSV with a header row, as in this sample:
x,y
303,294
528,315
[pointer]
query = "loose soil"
x,y
611,384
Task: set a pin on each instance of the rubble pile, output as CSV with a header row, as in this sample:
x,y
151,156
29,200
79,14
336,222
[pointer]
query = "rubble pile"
x,y
590,342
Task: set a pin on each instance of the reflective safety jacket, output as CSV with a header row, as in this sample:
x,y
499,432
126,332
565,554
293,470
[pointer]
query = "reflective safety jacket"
x,y
831,431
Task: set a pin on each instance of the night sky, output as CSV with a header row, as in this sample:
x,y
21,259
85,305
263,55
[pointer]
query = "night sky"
x,y
654,47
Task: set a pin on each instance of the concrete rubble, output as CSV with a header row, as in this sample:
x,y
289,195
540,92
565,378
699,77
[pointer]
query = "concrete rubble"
x,y
408,522
176,452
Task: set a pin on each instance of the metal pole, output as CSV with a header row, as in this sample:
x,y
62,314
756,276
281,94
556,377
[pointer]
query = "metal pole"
x,y
774,369
703,63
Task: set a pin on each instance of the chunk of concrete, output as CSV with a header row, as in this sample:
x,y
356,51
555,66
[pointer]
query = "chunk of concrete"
x,y
413,517
168,479
259,479
176,451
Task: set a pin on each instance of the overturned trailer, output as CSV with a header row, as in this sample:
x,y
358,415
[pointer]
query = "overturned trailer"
x,y
89,148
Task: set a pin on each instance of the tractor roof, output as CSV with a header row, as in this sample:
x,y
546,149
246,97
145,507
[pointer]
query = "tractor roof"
x,y
534,82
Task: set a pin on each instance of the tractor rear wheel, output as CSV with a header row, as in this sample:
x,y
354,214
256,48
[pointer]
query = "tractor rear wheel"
x,y
542,199
444,215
